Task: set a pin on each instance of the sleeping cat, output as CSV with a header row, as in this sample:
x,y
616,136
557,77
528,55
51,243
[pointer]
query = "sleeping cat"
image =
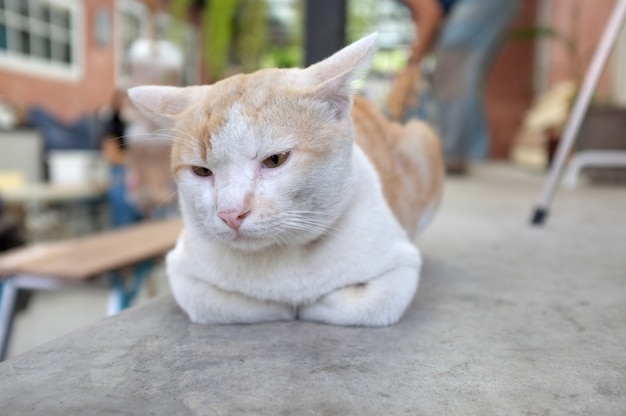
x,y
299,202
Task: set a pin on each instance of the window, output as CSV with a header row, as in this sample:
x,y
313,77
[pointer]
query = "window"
x,y
133,18
41,36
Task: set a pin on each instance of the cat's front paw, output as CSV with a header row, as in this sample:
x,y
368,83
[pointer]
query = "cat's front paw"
x,y
205,303
242,314
379,302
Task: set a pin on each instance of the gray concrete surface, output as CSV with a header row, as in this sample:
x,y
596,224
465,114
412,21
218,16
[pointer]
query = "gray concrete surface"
x,y
509,320
52,314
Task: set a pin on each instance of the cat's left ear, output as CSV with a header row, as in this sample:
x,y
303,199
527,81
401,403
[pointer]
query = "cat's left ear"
x,y
332,78
163,103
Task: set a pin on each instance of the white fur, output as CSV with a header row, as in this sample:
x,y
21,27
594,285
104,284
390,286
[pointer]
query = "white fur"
x,y
319,243
321,280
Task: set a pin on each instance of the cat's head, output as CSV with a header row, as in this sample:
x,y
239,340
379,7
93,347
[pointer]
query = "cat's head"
x,y
264,158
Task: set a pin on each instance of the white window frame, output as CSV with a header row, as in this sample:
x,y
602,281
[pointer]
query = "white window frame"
x,y
123,10
31,64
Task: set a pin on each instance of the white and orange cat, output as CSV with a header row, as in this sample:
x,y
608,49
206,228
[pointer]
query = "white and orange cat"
x,y
299,202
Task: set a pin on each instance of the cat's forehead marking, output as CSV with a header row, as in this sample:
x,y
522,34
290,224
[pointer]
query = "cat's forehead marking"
x,y
260,92
241,97
260,105
248,92
236,137
213,114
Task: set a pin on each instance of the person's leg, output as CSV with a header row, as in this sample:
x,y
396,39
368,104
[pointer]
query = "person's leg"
x,y
451,96
122,212
467,46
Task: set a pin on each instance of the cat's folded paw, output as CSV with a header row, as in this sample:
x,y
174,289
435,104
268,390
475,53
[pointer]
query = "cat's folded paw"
x,y
205,303
379,302
248,314
348,307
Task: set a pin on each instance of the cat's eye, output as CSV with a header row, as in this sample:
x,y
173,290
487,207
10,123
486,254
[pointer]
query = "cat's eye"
x,y
201,171
276,160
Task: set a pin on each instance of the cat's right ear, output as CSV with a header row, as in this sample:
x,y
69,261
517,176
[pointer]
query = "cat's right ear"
x,y
331,79
163,103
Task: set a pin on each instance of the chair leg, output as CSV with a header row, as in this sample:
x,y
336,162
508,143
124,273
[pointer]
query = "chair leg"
x,y
594,158
123,291
7,314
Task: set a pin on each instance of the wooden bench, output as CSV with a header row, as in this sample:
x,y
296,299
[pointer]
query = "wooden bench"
x,y
57,265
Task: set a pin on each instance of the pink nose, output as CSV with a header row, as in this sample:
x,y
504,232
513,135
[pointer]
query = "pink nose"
x,y
233,218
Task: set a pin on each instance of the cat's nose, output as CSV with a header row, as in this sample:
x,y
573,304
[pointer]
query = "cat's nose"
x,y
233,218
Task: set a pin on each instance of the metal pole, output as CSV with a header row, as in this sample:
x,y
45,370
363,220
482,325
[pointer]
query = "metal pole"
x,y
325,29
579,109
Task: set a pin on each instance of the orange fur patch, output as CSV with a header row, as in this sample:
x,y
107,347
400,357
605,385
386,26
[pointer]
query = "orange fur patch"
x,y
408,159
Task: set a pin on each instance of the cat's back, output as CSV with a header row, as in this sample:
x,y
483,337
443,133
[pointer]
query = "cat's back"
x,y
409,162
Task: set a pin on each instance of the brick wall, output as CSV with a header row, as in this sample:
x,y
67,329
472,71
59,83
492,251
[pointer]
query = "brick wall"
x,y
64,98
582,22
510,88
510,85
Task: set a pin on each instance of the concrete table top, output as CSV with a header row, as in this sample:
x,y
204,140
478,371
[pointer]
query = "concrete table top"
x,y
508,320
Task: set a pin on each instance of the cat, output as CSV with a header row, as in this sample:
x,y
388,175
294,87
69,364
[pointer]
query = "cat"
x,y
299,201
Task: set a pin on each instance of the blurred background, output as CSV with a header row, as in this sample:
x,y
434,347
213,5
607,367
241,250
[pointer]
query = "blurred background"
x,y
68,56
62,62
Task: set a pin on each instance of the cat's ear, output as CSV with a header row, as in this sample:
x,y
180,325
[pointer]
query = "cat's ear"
x,y
163,103
331,79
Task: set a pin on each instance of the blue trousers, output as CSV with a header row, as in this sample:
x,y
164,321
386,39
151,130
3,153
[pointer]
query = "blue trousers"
x,y
472,34
122,212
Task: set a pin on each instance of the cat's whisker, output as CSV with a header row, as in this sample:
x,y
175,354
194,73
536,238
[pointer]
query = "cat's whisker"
x,y
198,223
309,216
312,213
148,136
179,136
179,132
166,201
161,135
201,236
295,228
305,218
308,221
306,226
280,240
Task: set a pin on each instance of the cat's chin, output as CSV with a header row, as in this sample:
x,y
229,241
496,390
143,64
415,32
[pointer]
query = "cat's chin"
x,y
250,244
256,244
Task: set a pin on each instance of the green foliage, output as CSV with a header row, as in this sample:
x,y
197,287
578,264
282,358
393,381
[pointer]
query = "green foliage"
x,y
253,36
236,29
532,33
179,10
283,57
388,61
217,33
362,16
